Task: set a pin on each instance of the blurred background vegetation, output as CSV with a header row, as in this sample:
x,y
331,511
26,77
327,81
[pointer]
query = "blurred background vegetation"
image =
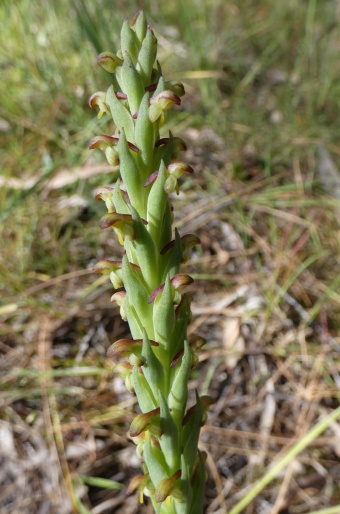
x,y
261,118
263,76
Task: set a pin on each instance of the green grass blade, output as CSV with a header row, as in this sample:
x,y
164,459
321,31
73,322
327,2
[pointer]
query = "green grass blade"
x,y
301,445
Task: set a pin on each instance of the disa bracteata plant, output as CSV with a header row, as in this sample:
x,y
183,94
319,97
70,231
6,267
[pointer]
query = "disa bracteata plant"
x,y
156,362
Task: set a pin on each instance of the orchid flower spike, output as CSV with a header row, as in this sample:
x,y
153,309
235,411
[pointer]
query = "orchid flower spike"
x,y
151,291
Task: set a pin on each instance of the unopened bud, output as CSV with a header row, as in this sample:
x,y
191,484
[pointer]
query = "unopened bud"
x,y
171,185
99,100
166,487
177,281
106,266
114,218
103,141
206,401
142,422
178,168
138,483
105,193
116,280
109,61
112,156
119,299
161,102
176,87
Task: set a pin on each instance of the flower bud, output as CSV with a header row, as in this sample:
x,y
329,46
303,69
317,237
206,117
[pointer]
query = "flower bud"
x,y
176,87
119,298
171,185
178,168
105,193
128,381
165,99
104,141
177,281
143,421
123,369
178,146
123,347
121,223
116,280
140,25
196,342
109,61
99,100
188,241
114,218
181,280
161,102
112,156
205,401
106,266
134,360
139,483
166,487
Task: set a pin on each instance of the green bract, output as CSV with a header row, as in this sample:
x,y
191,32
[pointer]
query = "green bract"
x,y
157,361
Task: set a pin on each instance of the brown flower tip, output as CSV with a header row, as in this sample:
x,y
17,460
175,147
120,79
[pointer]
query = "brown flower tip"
x,y
178,168
103,141
178,143
107,265
177,281
165,99
103,192
151,87
206,401
109,61
188,241
123,347
142,422
112,218
138,483
166,486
